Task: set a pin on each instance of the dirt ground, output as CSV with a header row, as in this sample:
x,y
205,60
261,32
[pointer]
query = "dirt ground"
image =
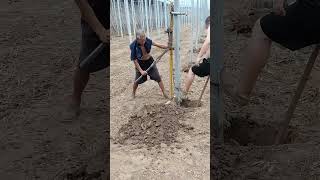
x,y
152,138
249,152
40,42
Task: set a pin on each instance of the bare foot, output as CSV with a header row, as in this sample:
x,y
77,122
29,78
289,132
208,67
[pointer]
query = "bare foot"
x,y
165,94
133,96
74,106
184,95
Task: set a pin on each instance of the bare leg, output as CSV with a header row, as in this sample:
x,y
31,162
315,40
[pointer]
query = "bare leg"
x,y
134,89
189,80
162,89
80,81
256,57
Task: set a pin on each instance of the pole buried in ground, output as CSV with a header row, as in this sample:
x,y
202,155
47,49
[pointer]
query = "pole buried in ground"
x,y
216,65
177,64
304,78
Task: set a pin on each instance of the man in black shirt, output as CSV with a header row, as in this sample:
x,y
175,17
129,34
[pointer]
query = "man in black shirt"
x,y
95,28
294,27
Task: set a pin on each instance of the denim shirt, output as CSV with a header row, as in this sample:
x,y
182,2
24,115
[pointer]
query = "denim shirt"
x,y
136,52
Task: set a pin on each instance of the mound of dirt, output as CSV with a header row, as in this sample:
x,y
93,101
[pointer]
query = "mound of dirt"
x,y
153,125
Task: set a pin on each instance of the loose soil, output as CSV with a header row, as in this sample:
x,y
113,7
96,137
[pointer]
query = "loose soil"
x,y
249,151
40,43
151,137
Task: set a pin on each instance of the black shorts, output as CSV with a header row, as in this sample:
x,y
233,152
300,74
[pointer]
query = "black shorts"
x,y
300,27
153,72
203,69
88,43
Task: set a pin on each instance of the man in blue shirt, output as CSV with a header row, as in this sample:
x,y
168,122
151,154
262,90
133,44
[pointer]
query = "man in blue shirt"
x,y
140,55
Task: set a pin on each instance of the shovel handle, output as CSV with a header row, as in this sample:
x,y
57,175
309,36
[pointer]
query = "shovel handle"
x,y
92,55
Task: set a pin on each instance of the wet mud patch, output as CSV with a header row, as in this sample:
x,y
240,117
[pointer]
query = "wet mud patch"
x,y
246,132
153,125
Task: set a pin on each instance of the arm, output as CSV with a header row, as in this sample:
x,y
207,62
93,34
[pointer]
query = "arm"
x,y
136,64
135,60
159,45
89,16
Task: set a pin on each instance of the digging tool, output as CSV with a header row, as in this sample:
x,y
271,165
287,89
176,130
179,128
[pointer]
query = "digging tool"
x,y
204,88
154,62
285,124
92,55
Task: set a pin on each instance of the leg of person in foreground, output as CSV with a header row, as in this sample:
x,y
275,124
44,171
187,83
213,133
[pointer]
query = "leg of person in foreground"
x,y
189,80
80,81
256,57
94,27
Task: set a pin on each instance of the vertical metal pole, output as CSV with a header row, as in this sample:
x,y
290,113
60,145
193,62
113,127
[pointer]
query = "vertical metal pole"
x,y
165,14
146,16
142,15
216,108
114,14
150,16
161,13
126,6
133,17
197,23
171,51
119,15
155,15
177,70
158,21
192,31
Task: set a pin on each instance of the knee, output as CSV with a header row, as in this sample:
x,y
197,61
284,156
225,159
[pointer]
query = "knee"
x,y
190,71
257,31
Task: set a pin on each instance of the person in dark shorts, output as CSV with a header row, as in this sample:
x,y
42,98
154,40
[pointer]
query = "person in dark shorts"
x,y
95,28
294,27
140,49
202,67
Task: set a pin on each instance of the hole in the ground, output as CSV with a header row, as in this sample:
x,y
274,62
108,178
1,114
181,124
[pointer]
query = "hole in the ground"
x,y
246,132
190,103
